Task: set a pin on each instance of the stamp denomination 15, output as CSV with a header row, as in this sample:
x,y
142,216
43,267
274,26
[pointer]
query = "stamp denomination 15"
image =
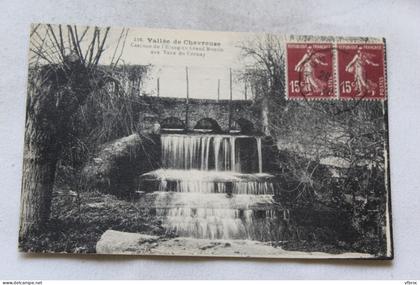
x,y
361,73
309,71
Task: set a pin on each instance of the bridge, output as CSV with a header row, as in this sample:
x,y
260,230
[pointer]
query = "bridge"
x,y
220,115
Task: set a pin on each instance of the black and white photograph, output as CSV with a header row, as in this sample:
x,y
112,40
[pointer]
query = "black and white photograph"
x,y
187,143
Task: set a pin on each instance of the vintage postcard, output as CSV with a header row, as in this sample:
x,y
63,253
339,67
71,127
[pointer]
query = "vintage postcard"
x,y
191,143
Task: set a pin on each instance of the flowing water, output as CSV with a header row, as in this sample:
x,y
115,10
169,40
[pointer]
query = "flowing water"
x,y
213,187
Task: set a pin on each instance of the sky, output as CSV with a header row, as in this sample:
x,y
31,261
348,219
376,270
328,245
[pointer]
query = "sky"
x,y
207,64
204,72
203,82
208,55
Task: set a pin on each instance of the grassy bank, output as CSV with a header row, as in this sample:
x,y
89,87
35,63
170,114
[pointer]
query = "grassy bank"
x,y
78,221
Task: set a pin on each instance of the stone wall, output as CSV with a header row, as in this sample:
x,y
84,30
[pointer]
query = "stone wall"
x,y
164,107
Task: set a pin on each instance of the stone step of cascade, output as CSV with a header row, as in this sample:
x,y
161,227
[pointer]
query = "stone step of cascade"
x,y
209,201
205,223
215,215
246,188
195,181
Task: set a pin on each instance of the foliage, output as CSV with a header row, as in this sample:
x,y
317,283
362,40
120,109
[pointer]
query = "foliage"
x,y
83,100
330,153
109,113
78,220
63,72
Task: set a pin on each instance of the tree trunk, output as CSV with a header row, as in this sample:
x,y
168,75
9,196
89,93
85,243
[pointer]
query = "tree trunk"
x,y
39,166
54,94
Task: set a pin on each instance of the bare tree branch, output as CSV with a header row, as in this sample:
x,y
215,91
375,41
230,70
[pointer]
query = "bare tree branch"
x,y
73,41
116,48
92,45
83,34
34,29
61,40
56,41
122,49
78,44
101,48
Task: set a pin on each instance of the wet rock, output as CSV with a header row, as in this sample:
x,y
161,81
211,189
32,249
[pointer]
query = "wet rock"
x,y
115,242
115,167
96,205
212,245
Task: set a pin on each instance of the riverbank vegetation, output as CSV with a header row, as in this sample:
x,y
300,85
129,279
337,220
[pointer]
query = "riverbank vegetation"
x,y
329,158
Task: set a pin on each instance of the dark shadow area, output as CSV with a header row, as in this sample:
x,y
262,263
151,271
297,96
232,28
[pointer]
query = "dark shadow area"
x,y
207,125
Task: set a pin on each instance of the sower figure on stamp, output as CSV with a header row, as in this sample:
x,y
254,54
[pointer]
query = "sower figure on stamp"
x,y
357,67
307,65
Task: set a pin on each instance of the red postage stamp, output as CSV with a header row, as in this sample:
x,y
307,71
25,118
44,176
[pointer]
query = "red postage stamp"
x,y
361,73
310,71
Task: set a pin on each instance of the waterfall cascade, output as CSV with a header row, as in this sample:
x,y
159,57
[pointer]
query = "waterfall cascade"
x,y
213,187
204,152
